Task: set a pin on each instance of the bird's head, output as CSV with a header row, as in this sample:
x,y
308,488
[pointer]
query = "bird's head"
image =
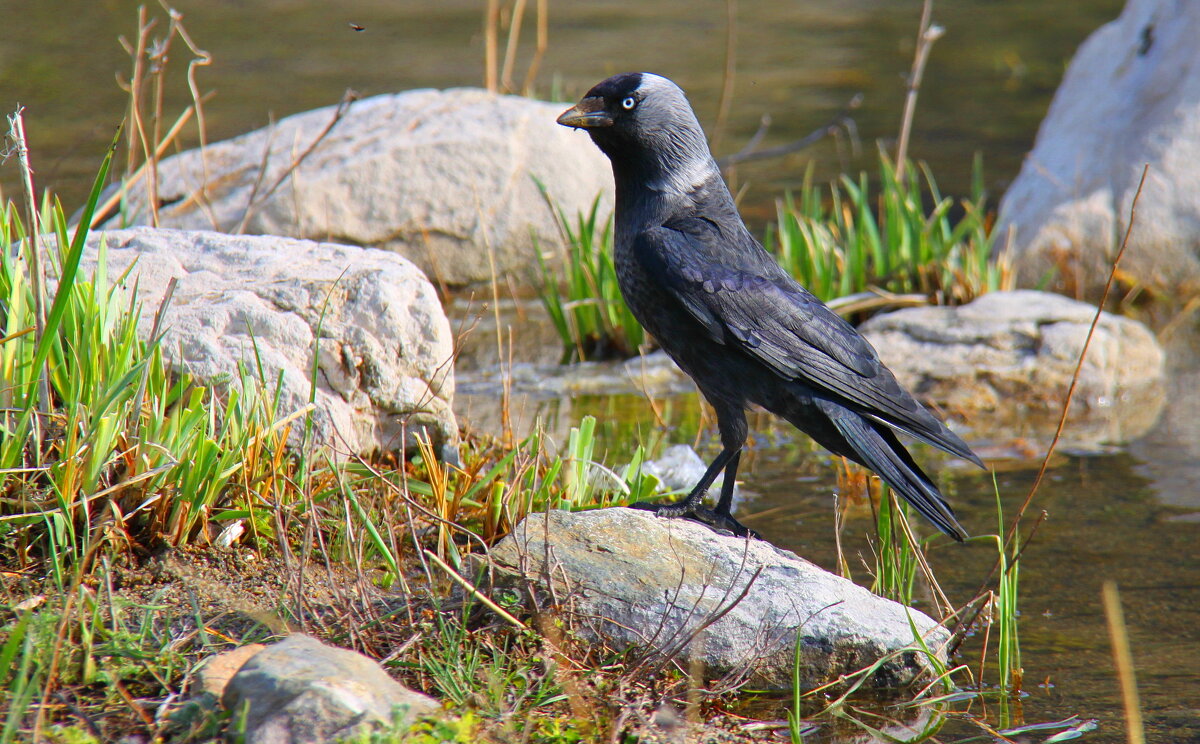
x,y
645,125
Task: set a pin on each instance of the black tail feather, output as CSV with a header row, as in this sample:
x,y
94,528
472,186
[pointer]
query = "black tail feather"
x,y
876,447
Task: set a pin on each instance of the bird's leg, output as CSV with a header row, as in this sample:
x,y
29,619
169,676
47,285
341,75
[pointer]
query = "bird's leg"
x,y
692,506
692,502
726,501
721,518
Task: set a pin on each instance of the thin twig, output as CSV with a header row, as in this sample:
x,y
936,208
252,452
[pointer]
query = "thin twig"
x,y
254,203
831,127
1062,418
926,35
726,100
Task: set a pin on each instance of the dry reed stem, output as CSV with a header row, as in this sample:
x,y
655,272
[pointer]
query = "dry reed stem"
x,y
1062,419
727,78
1123,658
16,131
539,52
510,49
104,209
470,588
926,35
491,30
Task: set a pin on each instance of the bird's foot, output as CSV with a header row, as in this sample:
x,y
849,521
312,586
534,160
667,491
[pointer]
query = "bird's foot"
x,y
721,523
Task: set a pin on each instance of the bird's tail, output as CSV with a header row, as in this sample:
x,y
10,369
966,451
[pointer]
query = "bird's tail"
x,y
876,447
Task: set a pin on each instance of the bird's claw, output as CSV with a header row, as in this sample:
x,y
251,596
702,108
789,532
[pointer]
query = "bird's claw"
x,y
720,523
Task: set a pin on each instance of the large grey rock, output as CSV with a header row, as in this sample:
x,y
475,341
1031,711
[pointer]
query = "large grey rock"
x,y
385,369
632,580
441,177
1005,361
1129,97
299,691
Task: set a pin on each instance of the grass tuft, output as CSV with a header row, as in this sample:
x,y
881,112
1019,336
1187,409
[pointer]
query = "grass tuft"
x,y
582,298
853,237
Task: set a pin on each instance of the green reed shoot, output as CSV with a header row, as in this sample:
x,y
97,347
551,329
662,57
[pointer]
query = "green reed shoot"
x,y
128,448
1008,650
896,561
854,236
583,299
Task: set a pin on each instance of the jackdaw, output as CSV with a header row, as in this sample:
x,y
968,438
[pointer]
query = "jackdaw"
x,y
732,318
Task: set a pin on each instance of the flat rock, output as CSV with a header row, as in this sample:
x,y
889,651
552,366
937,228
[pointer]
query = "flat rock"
x,y
1127,99
631,580
441,177
385,348
1005,361
300,690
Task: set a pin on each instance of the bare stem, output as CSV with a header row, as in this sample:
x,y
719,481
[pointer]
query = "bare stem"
x,y
926,35
726,101
1123,658
16,130
510,50
543,42
491,30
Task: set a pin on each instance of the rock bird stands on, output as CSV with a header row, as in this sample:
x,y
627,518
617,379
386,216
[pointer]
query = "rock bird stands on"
x,y
731,318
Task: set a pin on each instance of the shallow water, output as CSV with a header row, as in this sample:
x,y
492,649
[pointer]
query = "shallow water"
x,y
1131,515
1105,521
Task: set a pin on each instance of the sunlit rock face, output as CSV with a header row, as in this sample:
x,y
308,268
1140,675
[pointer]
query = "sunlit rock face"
x,y
383,373
450,179
1129,98
674,591
1003,365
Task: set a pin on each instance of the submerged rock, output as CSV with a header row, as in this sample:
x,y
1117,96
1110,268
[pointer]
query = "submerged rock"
x,y
384,370
680,468
674,588
1004,363
1127,99
443,177
300,690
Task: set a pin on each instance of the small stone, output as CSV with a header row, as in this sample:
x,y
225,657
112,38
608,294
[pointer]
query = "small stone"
x,y
219,669
680,468
301,691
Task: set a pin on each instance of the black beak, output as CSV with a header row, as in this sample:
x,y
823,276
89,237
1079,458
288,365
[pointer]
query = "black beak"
x,y
587,114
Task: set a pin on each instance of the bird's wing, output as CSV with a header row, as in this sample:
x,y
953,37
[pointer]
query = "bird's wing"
x,y
768,315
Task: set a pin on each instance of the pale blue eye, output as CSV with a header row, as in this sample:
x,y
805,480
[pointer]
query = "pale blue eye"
x,y
628,103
